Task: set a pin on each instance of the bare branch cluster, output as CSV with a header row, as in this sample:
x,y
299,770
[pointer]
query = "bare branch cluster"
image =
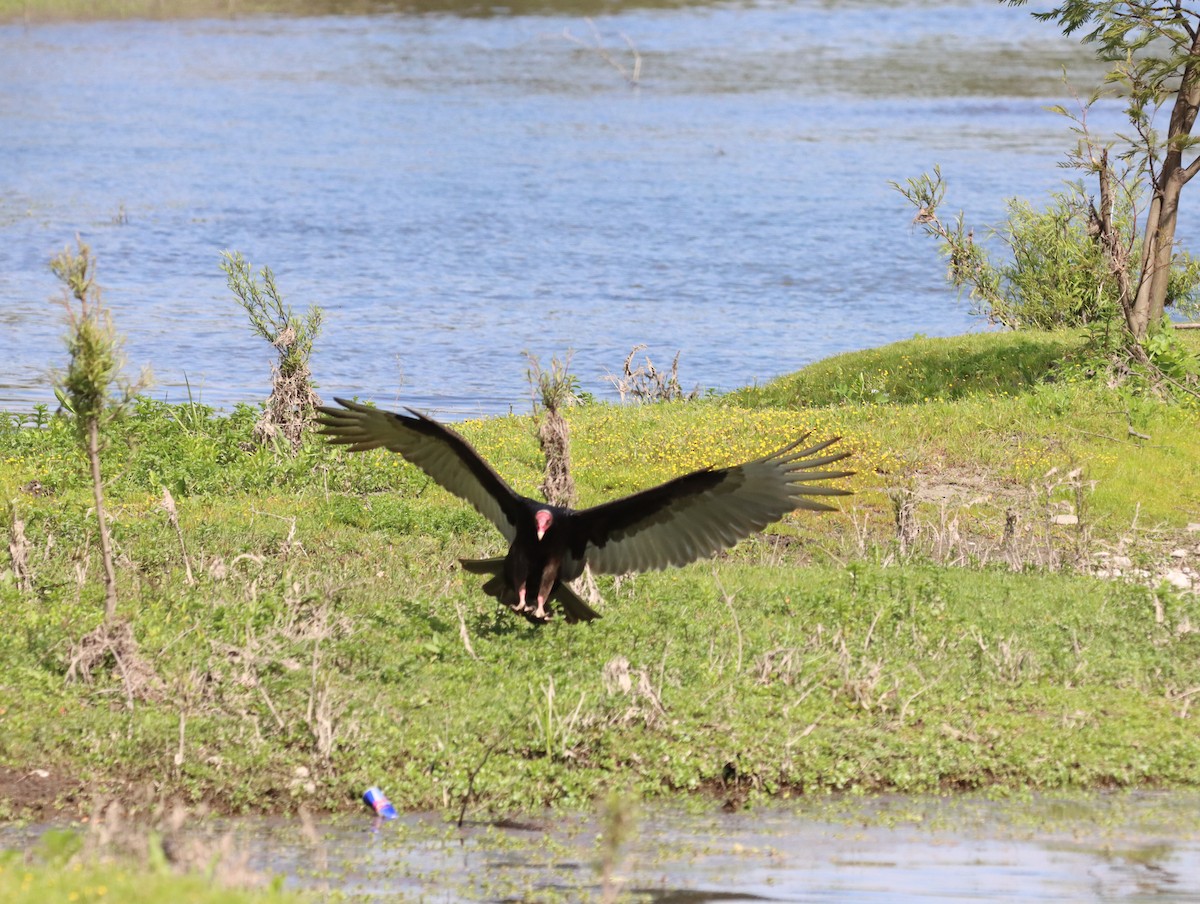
x,y
646,383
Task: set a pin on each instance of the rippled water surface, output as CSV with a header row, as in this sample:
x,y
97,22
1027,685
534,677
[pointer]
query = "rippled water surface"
x,y
455,191
1127,847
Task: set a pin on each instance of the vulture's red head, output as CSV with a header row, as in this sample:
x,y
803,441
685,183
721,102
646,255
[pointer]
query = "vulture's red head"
x,y
543,519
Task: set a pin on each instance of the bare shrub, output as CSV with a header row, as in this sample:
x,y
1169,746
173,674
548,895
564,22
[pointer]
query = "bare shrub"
x,y
168,504
631,73
112,645
553,390
289,409
904,514
1010,663
645,703
18,552
646,383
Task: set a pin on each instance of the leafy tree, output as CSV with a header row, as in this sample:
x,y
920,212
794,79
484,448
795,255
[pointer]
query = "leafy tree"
x,y
1085,260
1154,50
1056,276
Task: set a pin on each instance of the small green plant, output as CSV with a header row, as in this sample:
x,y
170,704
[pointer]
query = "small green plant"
x,y
558,731
1170,356
289,409
1057,275
85,387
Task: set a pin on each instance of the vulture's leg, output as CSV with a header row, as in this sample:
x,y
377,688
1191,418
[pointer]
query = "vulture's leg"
x,y
549,578
520,572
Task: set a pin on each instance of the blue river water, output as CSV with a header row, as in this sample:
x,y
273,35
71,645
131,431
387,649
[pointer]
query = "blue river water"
x,y
455,191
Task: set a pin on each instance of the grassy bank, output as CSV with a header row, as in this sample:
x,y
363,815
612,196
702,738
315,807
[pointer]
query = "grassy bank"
x,y
945,631
38,883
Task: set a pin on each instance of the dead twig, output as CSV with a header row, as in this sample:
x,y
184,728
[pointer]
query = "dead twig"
x,y
466,638
18,551
168,503
736,625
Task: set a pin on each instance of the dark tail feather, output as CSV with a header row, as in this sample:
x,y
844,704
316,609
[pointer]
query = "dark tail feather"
x,y
483,566
494,585
574,609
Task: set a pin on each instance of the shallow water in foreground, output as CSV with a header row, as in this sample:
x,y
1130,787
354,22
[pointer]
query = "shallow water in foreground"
x,y
1121,847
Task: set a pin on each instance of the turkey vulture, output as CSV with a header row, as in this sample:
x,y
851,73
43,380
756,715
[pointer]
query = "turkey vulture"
x,y
675,523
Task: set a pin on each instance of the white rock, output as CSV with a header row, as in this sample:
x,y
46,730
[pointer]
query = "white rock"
x,y
1178,579
1065,519
301,772
1193,528
1179,553
1121,562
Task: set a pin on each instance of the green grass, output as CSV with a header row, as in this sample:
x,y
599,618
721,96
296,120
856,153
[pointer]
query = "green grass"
x,y
325,638
923,369
22,883
65,867
1005,406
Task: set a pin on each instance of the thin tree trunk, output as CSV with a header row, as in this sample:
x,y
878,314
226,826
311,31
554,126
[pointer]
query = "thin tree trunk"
x,y
1117,256
110,576
1139,311
1164,209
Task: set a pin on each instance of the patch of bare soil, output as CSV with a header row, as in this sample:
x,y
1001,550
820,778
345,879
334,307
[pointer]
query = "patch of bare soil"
x,y
39,793
960,517
960,487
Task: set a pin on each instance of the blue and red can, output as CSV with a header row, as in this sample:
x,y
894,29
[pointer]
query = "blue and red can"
x,y
377,801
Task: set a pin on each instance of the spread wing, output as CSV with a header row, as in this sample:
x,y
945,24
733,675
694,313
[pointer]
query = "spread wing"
x,y
437,450
701,513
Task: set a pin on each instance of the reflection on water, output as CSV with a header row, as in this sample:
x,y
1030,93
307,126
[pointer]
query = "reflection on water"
x,y
455,191
1127,848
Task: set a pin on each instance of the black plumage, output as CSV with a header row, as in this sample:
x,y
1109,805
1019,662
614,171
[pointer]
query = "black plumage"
x,y
674,523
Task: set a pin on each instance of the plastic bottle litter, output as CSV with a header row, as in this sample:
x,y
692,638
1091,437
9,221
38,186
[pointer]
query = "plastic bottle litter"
x,y
377,801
